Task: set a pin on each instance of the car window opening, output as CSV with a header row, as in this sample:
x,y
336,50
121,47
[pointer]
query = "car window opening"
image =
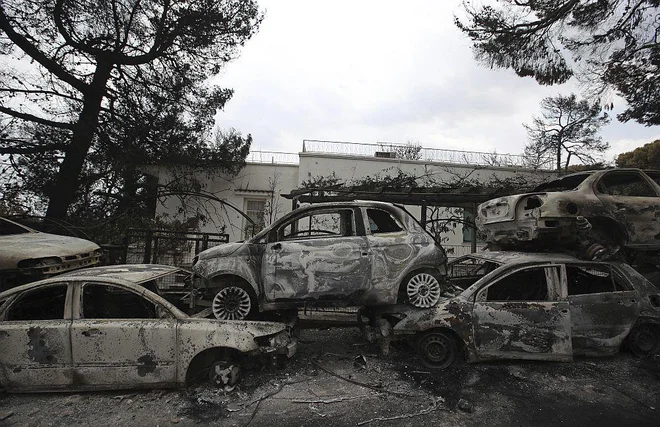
x,y
40,304
525,285
317,225
625,184
567,183
382,222
109,302
466,272
593,279
8,228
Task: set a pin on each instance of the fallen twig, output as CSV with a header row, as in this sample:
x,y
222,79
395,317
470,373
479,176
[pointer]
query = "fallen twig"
x,y
341,356
334,400
369,386
434,406
262,398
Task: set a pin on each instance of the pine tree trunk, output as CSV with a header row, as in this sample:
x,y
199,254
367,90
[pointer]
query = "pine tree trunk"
x,y
66,185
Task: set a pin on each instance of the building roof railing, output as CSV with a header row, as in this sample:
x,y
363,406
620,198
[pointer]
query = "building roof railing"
x,y
392,150
274,157
415,152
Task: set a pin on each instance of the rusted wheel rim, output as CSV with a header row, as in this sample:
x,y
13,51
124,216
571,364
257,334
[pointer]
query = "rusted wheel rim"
x,y
437,350
423,290
644,341
224,373
231,303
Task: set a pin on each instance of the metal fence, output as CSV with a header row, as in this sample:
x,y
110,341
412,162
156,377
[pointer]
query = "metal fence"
x,y
455,251
394,150
178,248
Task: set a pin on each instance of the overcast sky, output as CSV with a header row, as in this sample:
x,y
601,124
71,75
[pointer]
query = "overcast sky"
x,y
381,70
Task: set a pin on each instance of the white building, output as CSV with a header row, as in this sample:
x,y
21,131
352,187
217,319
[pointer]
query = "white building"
x,y
258,188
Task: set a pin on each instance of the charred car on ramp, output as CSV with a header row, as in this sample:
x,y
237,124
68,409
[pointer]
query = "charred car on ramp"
x,y
594,212
346,253
83,331
29,254
514,305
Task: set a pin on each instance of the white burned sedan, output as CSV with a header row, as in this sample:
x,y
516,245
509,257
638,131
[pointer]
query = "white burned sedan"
x,y
87,331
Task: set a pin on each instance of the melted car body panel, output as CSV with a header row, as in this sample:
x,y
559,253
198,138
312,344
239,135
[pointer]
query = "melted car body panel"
x,y
110,353
323,268
536,331
35,355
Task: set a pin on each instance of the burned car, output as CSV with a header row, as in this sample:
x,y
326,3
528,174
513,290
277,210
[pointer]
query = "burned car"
x,y
595,213
514,305
347,253
89,332
29,255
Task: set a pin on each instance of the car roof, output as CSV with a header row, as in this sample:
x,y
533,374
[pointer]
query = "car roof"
x,y
372,203
513,257
574,178
135,273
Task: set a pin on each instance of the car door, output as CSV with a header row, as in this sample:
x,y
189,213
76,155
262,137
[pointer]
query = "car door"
x,y
35,347
634,203
118,339
523,314
317,255
391,251
604,307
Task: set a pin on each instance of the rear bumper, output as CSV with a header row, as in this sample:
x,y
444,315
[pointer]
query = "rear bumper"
x,y
529,229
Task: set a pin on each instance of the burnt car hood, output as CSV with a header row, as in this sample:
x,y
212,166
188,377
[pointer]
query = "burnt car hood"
x,y
450,312
136,273
22,246
221,250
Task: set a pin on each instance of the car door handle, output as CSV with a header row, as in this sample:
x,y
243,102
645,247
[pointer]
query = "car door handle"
x,y
277,246
564,311
91,332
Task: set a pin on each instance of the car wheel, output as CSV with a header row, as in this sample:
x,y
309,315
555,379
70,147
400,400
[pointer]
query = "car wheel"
x,y
437,349
232,302
644,340
423,290
224,373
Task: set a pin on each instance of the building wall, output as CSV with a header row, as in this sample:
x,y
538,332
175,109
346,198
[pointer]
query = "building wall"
x,y
255,182
263,184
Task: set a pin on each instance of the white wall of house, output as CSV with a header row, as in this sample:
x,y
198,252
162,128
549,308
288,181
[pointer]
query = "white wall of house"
x,y
260,185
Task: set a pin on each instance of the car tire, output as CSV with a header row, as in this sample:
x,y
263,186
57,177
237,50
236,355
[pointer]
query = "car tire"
x,y
644,340
233,302
423,289
437,349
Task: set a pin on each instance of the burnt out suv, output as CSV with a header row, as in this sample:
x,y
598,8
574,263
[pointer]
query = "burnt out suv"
x,y
347,254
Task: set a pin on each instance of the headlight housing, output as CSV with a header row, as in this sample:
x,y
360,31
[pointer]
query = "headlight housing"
x,y
39,262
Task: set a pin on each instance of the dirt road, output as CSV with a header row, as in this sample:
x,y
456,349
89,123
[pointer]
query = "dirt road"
x,y
324,385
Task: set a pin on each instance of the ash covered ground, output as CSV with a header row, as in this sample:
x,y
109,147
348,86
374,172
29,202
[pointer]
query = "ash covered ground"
x,y
339,379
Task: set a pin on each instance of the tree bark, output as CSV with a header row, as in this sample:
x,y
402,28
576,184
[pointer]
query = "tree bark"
x,y
66,185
